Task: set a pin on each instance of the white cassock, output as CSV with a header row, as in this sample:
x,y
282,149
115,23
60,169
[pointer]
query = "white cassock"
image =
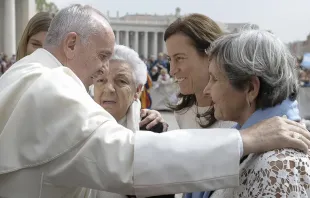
x,y
54,139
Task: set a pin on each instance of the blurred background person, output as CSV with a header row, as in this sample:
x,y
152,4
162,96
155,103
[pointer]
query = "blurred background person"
x,y
34,34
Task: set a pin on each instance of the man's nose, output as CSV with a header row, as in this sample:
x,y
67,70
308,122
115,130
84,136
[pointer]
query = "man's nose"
x,y
105,67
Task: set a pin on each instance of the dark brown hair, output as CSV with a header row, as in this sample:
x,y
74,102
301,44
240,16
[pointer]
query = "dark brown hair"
x,y
38,23
202,31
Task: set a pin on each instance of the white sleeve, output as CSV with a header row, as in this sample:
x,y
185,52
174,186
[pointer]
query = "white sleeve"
x,y
114,159
186,161
89,149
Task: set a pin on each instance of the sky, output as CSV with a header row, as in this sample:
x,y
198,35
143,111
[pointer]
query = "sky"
x,y
288,19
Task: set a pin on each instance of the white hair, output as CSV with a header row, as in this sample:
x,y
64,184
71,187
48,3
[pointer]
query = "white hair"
x,y
259,53
75,18
129,56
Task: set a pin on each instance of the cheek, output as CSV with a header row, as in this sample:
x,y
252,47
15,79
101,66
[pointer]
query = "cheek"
x,y
29,49
221,96
97,93
227,101
126,95
199,73
218,94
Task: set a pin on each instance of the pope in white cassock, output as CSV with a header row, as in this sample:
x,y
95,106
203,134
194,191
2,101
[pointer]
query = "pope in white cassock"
x,y
55,140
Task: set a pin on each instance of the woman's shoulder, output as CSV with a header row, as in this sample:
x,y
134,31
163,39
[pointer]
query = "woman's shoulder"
x,y
283,155
276,172
288,160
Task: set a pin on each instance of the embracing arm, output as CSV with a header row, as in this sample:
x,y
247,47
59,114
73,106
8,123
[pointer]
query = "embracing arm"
x,y
113,158
116,160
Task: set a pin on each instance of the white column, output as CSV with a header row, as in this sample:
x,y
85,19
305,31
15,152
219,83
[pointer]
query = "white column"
x,y
9,27
117,37
136,47
155,44
31,9
127,38
145,43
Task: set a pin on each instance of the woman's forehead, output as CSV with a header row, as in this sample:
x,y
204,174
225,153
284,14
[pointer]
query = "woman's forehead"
x,y
119,66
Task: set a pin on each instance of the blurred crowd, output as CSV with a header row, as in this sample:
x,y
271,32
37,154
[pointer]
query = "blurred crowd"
x,y
6,62
158,67
304,73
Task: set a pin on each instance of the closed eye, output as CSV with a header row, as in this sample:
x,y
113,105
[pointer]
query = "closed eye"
x,y
36,44
123,81
103,57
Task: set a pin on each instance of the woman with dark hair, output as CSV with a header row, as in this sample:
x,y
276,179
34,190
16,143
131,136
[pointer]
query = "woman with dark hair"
x,y
186,39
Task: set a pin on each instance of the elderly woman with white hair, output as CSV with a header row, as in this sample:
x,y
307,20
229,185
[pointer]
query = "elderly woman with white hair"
x,y
118,91
252,78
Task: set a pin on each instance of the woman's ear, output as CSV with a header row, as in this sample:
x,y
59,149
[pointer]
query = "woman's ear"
x,y
138,92
253,89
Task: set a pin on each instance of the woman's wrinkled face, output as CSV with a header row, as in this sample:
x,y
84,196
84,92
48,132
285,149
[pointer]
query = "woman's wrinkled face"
x,y
229,103
35,42
115,90
189,68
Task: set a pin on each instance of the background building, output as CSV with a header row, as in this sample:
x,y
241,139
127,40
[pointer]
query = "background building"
x,y
145,33
299,48
142,32
14,16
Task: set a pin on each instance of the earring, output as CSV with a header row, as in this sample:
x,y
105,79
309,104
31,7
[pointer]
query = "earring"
x,y
248,101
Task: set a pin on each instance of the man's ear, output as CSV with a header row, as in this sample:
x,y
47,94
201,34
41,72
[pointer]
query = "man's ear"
x,y
138,92
70,45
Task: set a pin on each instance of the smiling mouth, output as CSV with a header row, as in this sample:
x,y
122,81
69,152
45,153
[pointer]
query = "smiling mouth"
x,y
178,80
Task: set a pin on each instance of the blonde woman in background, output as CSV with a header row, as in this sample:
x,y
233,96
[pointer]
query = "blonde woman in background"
x,y
34,34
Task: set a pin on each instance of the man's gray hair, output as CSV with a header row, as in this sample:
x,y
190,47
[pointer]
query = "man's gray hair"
x,y
258,53
131,57
75,18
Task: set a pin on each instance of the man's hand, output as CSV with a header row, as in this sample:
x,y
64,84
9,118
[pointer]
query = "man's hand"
x,y
275,133
152,118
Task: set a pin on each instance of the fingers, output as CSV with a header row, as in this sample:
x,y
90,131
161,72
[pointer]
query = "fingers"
x,y
144,121
166,126
306,141
143,112
153,118
153,123
275,133
294,123
298,144
300,130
